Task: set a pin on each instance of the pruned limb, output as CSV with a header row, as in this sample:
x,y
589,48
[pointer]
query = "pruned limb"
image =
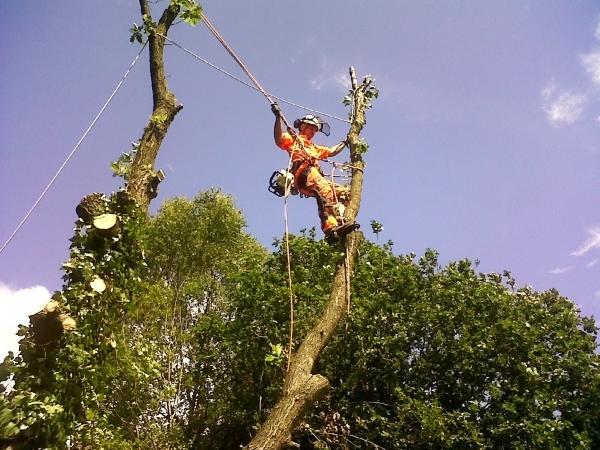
x,y
107,225
50,323
302,388
156,180
105,221
90,206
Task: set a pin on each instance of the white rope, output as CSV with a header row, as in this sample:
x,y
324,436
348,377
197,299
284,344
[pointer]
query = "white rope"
x,y
288,187
60,169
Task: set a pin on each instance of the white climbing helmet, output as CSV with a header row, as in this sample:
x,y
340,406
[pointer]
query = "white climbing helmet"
x,y
311,119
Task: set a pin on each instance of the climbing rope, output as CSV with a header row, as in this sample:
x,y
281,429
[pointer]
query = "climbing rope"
x,y
270,98
237,59
347,279
289,265
233,77
66,161
258,86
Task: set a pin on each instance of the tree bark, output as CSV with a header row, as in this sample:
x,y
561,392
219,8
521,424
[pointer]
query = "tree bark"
x,y
141,183
301,387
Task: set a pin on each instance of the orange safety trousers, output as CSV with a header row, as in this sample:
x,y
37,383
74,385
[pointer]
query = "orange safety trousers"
x,y
312,183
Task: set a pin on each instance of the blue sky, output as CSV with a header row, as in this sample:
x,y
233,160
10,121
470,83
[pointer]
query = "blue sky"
x,y
484,142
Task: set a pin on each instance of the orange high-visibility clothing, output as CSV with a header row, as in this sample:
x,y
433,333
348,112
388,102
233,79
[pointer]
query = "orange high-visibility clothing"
x,y
301,148
309,179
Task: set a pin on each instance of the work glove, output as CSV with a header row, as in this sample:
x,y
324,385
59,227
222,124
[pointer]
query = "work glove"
x,y
276,109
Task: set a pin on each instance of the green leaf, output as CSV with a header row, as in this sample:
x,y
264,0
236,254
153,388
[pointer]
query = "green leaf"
x,y
10,429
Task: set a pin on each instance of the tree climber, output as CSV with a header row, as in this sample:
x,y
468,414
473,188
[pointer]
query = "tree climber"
x,y
308,178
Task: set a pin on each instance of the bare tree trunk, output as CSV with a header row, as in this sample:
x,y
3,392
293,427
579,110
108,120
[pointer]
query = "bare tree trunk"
x,y
301,387
142,180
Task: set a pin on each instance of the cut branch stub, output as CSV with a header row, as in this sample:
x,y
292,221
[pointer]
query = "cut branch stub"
x,y
105,221
107,224
158,177
98,285
50,323
90,206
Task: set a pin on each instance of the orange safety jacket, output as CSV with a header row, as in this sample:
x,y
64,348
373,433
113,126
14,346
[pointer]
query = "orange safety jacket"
x,y
304,153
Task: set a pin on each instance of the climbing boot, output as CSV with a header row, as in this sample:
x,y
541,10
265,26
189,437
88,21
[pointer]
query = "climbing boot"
x,y
346,228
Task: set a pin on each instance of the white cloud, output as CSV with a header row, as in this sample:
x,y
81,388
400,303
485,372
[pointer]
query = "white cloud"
x,y
343,80
593,241
562,107
591,63
339,80
597,294
330,76
17,306
592,263
559,270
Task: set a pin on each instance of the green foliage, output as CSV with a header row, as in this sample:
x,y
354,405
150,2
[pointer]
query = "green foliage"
x,y
122,166
376,227
121,379
452,358
178,351
276,356
364,94
149,25
432,357
361,146
63,382
370,91
190,11
136,33
158,119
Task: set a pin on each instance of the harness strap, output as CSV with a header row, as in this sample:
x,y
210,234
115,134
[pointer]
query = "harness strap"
x,y
300,171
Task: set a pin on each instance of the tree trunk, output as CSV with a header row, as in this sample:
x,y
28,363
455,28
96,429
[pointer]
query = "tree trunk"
x,y
142,180
301,387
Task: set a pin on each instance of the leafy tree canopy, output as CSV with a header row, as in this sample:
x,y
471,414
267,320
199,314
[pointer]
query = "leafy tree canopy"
x,y
431,357
189,350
